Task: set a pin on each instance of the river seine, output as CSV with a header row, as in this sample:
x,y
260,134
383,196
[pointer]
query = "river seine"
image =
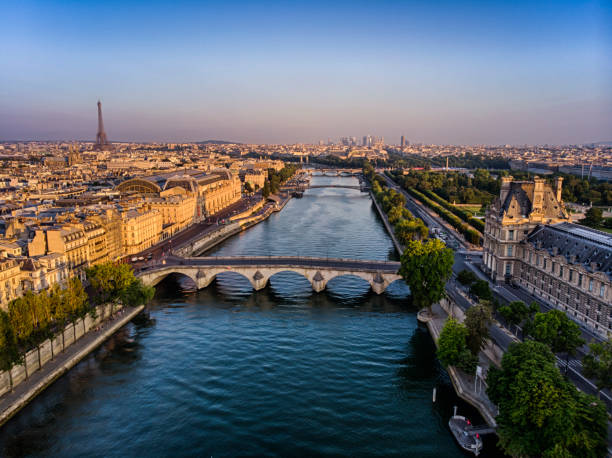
x,y
280,372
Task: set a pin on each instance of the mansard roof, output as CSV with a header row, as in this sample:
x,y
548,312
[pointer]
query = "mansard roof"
x,y
518,203
579,244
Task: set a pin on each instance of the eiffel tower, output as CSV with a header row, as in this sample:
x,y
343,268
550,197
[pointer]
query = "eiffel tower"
x,y
102,143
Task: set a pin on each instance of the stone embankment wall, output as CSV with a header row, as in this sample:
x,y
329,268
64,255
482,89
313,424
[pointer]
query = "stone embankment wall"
x,y
249,211
388,226
36,358
201,244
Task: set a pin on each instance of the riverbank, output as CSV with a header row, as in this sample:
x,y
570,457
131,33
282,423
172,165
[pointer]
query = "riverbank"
x,y
209,239
466,386
13,401
383,216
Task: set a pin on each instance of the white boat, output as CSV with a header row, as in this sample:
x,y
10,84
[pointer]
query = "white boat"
x,y
467,439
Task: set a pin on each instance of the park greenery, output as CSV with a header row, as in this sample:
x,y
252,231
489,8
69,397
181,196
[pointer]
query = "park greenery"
x,y
276,179
470,234
35,317
425,267
540,412
405,226
594,218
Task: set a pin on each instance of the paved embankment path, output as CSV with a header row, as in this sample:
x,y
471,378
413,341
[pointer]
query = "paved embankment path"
x,y
465,386
13,402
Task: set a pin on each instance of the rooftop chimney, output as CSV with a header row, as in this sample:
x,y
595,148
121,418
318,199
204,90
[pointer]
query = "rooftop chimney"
x,y
505,188
558,188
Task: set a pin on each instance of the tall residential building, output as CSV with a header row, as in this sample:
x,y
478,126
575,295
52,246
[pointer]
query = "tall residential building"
x,y
530,242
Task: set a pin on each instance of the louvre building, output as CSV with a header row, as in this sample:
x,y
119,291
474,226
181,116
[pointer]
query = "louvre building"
x,y
530,242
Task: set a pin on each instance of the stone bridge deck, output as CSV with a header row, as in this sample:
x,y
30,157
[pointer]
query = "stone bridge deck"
x,y
335,186
259,269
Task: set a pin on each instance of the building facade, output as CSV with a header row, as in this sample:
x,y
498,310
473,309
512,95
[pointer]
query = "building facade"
x,y
10,281
530,242
140,229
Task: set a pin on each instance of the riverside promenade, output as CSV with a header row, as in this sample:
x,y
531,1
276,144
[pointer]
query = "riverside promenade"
x,y
383,216
12,402
466,386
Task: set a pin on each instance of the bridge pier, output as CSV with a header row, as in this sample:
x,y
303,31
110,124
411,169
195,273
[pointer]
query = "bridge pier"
x,y
318,282
258,281
203,280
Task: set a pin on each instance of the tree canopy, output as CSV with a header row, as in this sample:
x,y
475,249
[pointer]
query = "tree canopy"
x,y
477,321
452,347
540,413
426,266
556,330
597,364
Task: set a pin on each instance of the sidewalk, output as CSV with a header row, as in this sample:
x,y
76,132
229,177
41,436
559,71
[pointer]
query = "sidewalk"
x,y
465,385
14,401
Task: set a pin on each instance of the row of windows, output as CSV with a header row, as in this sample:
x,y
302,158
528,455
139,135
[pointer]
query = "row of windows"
x,y
571,277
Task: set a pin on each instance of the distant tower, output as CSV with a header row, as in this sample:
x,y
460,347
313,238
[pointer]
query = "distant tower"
x,y
403,141
101,140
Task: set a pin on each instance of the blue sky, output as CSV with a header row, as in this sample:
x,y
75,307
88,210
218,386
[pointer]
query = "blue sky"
x,y
266,72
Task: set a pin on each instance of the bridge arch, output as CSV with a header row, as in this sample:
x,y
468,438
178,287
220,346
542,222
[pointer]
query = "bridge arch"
x,y
359,281
259,275
158,276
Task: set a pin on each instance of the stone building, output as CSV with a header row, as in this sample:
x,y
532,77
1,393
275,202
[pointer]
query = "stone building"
x,y
42,272
140,229
10,281
214,190
530,242
177,208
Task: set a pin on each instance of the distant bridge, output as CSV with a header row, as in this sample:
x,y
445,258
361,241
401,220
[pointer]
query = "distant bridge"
x,y
259,269
332,172
336,186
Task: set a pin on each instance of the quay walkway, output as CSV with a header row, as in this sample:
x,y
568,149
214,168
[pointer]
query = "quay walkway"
x,y
13,401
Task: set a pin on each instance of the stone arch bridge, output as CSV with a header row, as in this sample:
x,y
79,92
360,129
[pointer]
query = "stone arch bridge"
x,y
259,269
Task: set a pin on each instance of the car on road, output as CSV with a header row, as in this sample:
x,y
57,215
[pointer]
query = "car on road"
x,y
134,259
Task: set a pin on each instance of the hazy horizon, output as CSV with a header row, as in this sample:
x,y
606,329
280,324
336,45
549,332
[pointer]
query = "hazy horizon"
x,y
479,73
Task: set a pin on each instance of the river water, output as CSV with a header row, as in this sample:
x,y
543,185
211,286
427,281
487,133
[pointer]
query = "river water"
x,y
280,372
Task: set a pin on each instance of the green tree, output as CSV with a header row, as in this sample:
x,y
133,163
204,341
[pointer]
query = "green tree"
x,y
477,321
137,294
451,342
452,347
593,217
108,280
556,330
466,277
395,215
9,351
597,364
247,187
514,313
76,298
406,230
480,289
540,413
266,189
425,267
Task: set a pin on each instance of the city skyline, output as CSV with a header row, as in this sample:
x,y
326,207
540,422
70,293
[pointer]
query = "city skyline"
x,y
446,74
